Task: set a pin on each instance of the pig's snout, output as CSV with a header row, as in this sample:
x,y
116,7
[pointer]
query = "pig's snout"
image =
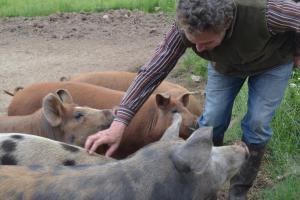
x,y
245,148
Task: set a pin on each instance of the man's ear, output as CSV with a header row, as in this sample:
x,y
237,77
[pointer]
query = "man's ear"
x,y
195,153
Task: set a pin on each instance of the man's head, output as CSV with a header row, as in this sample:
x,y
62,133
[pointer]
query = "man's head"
x,y
205,22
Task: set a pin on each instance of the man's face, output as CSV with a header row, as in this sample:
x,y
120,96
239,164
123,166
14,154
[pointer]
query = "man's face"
x,y
205,41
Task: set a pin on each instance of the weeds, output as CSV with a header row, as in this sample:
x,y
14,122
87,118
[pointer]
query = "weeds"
x,y
283,154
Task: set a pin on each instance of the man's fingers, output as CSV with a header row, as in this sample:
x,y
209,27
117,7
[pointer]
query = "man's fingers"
x,y
89,141
97,143
111,137
111,150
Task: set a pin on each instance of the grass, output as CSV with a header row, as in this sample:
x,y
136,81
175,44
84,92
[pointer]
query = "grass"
x,y
12,8
284,148
282,160
190,64
288,189
283,153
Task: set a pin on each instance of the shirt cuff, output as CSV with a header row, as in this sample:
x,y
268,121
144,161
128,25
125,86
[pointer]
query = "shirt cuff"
x,y
124,115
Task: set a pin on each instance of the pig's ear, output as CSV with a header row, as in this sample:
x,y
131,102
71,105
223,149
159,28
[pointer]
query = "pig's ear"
x,y
185,99
64,96
173,131
162,100
52,109
193,155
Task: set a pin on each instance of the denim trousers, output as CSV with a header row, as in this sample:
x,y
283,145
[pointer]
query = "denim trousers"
x,y
265,93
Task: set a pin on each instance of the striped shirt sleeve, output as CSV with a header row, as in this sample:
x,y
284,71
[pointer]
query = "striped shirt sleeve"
x,y
284,15
151,75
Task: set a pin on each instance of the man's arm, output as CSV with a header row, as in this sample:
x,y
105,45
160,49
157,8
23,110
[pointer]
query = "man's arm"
x,y
148,78
284,15
151,75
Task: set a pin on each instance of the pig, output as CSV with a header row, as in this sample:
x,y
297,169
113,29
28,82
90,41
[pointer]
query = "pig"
x,y
170,168
14,92
118,80
29,99
121,80
32,150
147,126
59,119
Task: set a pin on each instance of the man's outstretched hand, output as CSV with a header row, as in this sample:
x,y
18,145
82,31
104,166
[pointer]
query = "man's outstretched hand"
x,y
112,137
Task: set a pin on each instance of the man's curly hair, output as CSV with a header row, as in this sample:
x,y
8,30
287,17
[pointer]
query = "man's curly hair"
x,y
205,15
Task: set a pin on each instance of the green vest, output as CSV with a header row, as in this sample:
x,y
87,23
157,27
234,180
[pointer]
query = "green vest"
x,y
248,47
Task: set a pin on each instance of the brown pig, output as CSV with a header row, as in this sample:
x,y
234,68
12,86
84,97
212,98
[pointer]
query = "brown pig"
x,y
121,80
59,119
147,126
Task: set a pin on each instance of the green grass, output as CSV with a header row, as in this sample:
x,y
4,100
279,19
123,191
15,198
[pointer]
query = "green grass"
x,y
288,189
283,153
191,64
45,7
284,148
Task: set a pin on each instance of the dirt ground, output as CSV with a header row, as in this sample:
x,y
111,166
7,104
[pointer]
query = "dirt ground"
x,y
46,48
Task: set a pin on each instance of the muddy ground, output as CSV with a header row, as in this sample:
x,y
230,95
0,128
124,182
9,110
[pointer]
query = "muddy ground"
x,y
46,48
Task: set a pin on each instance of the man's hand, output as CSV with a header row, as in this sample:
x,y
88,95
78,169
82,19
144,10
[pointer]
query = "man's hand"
x,y
297,62
112,137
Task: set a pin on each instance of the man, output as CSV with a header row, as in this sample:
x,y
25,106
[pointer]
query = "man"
x,y
254,39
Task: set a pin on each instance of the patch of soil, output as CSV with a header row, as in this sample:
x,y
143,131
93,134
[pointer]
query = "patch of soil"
x,y
261,182
35,49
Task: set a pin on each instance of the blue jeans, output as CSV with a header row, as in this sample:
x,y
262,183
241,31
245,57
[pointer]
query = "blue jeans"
x,y
266,91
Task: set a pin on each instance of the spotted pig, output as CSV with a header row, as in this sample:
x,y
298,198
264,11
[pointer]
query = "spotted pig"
x,y
170,169
30,150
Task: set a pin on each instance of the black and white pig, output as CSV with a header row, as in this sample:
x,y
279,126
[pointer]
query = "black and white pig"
x,y
32,150
168,169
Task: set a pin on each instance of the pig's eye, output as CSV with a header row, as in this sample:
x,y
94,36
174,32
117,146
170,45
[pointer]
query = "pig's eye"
x,y
78,115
